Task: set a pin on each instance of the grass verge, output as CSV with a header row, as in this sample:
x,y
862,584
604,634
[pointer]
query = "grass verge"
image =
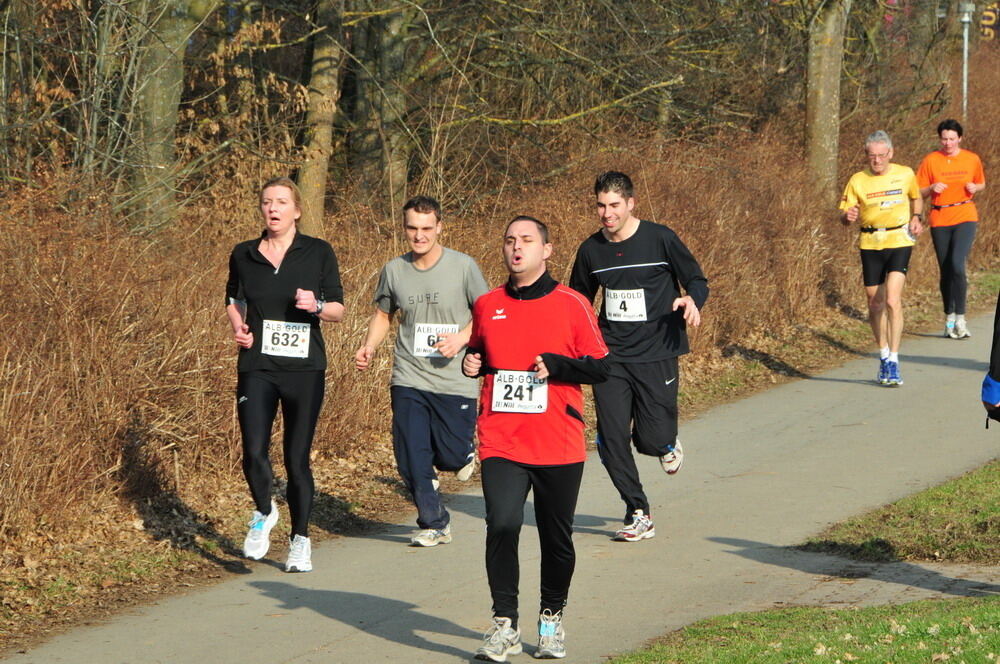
x,y
958,630
957,521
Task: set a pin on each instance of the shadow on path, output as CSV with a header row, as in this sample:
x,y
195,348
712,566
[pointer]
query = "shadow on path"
x,y
473,505
775,365
389,619
966,363
898,572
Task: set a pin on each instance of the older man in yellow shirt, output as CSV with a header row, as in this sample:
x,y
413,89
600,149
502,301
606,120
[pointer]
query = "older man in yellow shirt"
x,y
886,200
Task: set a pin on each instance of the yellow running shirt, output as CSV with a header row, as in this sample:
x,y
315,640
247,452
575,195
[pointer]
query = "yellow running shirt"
x,y
883,202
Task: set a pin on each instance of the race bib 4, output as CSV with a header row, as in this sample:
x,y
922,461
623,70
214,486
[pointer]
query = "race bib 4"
x,y
625,305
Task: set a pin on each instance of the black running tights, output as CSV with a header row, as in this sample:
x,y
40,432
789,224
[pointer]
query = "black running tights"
x,y
257,396
952,245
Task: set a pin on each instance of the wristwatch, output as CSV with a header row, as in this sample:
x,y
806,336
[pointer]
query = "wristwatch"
x,y
319,307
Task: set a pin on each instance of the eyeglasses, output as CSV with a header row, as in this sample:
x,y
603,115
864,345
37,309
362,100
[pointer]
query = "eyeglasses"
x,y
884,155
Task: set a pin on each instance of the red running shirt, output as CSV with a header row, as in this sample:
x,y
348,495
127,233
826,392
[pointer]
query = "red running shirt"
x,y
511,333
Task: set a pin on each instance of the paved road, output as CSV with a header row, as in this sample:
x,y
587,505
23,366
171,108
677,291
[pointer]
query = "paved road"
x,y
761,474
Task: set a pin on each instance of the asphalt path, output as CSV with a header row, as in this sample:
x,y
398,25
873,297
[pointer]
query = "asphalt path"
x,y
760,475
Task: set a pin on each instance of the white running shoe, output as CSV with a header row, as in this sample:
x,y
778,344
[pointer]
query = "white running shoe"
x,y
299,555
431,537
500,640
465,472
961,330
551,636
949,329
672,461
258,539
641,528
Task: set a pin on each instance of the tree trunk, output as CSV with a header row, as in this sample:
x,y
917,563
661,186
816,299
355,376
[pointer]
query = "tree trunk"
x,y
16,19
396,142
380,142
171,24
826,57
324,92
363,141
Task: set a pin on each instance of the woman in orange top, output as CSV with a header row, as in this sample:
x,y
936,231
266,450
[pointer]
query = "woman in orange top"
x,y
951,176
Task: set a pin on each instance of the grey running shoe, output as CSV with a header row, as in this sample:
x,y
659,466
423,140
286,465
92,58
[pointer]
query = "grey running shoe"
x,y
431,537
961,330
672,461
299,555
499,641
258,539
641,528
551,636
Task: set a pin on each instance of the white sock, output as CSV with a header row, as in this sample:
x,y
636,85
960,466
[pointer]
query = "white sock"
x,y
884,353
894,357
951,318
960,318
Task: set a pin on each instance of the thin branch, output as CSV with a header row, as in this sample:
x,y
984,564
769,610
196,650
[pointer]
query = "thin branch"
x,y
548,122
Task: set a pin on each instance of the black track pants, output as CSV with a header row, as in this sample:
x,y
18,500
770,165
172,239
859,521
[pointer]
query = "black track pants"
x,y
505,488
637,405
257,396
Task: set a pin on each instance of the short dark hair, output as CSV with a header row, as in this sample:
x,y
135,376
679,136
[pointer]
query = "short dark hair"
x,y
613,181
950,125
543,230
423,205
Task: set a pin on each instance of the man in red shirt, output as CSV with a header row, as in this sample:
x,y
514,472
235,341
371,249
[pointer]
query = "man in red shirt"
x,y
534,341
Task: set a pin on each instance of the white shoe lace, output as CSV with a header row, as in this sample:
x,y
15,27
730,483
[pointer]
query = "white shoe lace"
x,y
639,523
548,630
256,525
495,634
297,551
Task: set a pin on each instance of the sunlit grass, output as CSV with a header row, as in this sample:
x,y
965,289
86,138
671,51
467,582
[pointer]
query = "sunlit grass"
x,y
957,521
959,630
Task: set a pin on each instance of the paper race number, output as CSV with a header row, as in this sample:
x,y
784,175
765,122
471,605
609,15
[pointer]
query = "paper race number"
x,y
425,335
519,392
285,339
625,305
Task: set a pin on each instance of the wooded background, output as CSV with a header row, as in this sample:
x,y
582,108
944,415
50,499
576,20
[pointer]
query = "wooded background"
x,y
165,101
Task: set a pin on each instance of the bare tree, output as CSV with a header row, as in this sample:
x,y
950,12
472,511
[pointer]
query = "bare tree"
x,y
826,48
171,23
324,93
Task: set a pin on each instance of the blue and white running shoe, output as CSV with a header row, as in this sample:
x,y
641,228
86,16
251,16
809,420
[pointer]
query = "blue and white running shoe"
x,y
892,378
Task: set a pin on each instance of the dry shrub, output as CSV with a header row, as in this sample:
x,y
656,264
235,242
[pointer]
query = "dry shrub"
x,y
118,368
104,354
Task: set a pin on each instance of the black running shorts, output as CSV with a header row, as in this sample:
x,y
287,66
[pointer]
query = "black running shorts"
x,y
876,264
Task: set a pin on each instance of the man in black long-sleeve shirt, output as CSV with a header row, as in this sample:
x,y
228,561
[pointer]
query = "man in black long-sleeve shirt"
x,y
641,267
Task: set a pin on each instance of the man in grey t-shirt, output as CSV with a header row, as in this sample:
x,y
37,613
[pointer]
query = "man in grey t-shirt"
x,y
433,404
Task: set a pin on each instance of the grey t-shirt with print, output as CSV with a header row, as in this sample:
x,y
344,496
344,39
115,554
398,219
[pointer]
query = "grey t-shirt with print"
x,y
430,302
